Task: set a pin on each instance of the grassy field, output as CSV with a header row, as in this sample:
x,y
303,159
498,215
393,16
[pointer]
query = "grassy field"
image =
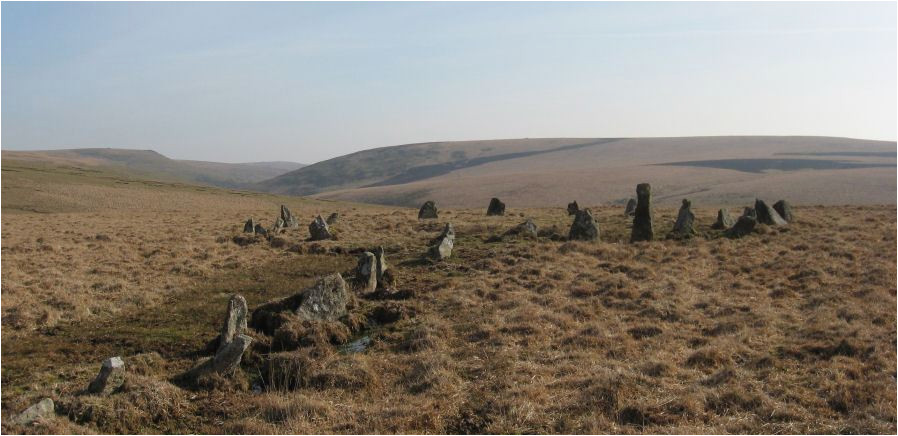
x,y
789,330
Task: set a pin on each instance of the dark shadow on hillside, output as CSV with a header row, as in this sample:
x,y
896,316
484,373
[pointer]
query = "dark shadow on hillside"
x,y
761,165
427,171
891,154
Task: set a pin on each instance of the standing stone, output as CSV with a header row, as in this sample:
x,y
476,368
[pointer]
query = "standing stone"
x,y
442,250
366,271
642,219
572,208
227,359
527,229
381,263
783,208
584,227
288,219
277,227
744,226
684,227
43,409
630,210
259,230
724,220
110,378
496,208
428,210
766,214
448,232
325,301
332,218
318,230
234,320
250,226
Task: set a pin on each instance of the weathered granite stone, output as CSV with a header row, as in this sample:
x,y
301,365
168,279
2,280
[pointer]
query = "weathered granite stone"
x,y
724,220
110,378
366,272
572,208
428,210
326,301
496,208
259,230
234,320
442,250
318,230
526,229
783,208
250,226
227,359
43,409
642,219
584,227
684,227
289,221
744,226
630,209
766,214
381,263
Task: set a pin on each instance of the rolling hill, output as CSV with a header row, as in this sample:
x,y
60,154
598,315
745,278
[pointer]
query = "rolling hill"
x,y
150,164
552,172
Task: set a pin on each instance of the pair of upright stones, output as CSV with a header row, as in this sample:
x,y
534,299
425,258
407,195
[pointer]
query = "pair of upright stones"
x,y
232,343
371,269
285,220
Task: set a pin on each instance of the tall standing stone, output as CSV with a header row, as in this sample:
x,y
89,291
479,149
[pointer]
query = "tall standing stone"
x,y
724,220
428,210
767,215
496,208
443,244
234,320
783,208
289,220
642,219
584,227
318,230
684,227
366,272
630,209
572,208
110,378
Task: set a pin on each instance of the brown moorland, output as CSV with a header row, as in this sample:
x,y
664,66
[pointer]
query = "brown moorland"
x,y
788,330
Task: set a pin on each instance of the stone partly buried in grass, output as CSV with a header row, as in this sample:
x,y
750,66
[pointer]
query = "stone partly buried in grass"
x,y
110,378
43,409
326,300
724,220
525,229
767,215
744,226
584,227
232,343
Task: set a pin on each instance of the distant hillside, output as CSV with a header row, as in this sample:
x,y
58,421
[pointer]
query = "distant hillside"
x,y
551,172
150,164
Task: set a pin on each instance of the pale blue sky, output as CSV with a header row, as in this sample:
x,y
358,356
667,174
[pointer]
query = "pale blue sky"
x,y
310,81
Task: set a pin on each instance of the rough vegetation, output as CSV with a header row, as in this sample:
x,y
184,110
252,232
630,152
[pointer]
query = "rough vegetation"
x,y
789,329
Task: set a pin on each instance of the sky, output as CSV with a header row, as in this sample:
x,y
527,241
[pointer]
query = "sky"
x,y
305,82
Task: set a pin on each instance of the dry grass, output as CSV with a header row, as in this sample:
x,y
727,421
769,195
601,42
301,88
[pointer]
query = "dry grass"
x,y
790,330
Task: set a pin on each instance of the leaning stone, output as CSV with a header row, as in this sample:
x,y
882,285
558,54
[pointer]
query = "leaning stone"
x,y
744,226
442,250
724,220
428,210
325,301
250,226
234,320
572,208
630,209
42,409
767,215
642,219
332,218
288,219
277,227
110,378
496,208
318,230
684,227
584,227
366,272
783,208
259,230
527,229
227,359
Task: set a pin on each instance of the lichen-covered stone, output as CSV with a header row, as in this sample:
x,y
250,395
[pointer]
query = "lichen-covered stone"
x,y
783,208
584,227
724,220
684,227
110,378
318,230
